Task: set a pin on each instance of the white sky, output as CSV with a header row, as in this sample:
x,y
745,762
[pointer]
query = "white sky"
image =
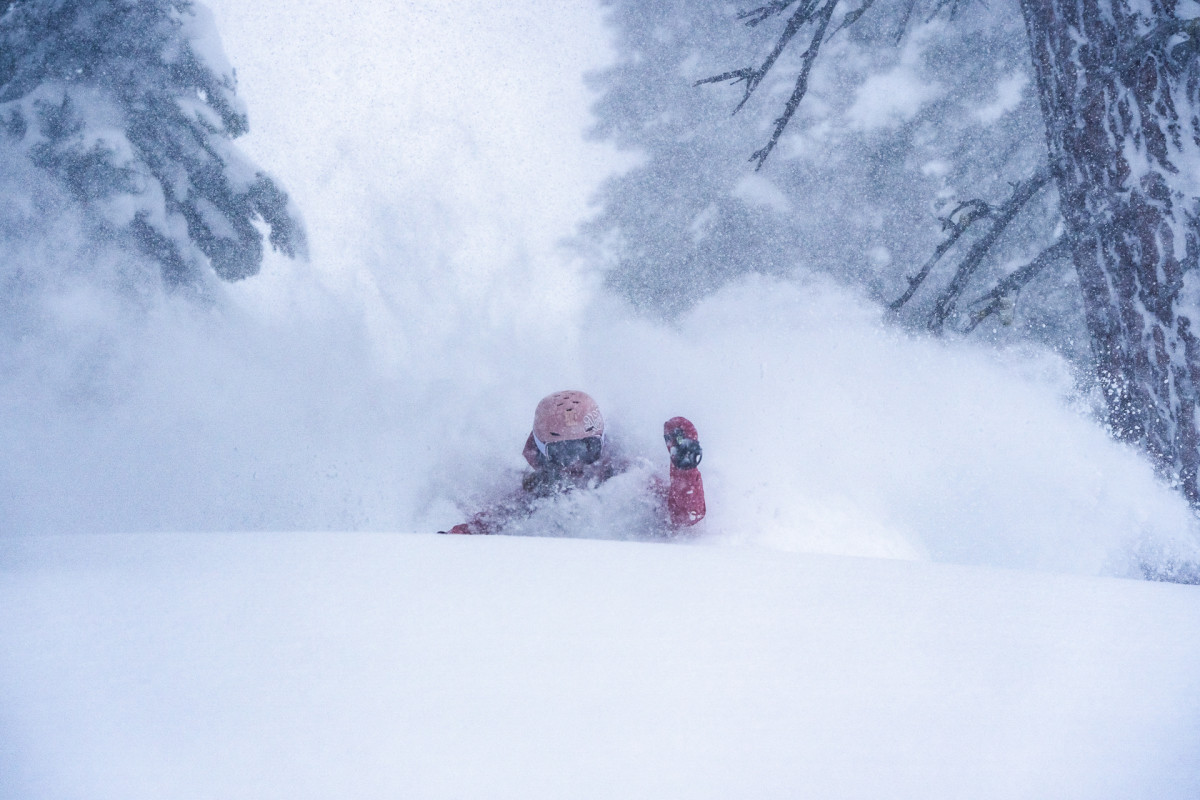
x,y
410,92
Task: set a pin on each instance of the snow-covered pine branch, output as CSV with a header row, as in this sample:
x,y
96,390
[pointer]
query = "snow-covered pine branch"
x,y
130,106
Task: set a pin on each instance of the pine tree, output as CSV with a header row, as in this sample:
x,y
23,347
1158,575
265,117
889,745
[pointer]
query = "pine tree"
x,y
130,107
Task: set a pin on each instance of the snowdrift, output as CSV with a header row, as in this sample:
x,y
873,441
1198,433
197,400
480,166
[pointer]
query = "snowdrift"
x,y
300,666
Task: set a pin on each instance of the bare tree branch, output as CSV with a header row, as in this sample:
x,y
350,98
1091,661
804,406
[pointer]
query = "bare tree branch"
x,y
1022,193
957,222
939,5
808,11
753,75
912,4
764,13
854,15
808,57
1005,291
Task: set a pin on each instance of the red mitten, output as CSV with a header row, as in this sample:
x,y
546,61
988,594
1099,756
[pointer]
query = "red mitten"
x,y
683,443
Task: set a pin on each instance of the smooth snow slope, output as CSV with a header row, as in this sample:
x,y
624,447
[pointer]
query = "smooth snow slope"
x,y
397,666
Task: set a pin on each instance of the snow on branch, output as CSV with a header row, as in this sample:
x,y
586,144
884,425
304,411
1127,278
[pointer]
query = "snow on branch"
x,y
132,109
1160,38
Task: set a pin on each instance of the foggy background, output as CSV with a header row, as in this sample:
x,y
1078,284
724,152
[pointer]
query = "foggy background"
x,y
506,205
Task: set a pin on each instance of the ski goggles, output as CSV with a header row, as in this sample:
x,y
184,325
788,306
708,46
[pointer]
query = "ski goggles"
x,y
571,451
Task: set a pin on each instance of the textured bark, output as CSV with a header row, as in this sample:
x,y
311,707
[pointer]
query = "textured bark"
x,y
1119,83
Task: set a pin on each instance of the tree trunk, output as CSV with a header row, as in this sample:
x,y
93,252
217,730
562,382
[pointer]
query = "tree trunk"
x,y
1119,84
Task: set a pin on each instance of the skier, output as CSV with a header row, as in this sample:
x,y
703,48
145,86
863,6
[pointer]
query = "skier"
x,y
567,452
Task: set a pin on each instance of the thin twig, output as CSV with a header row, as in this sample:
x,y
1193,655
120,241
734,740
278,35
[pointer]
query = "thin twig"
x,y
754,75
1016,280
1022,193
763,13
957,223
912,4
809,57
955,5
853,16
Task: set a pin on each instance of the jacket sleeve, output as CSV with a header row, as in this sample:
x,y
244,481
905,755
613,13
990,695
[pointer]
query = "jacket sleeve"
x,y
685,497
685,492
493,519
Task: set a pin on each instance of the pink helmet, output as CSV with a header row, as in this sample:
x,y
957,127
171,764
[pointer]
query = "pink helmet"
x,y
564,416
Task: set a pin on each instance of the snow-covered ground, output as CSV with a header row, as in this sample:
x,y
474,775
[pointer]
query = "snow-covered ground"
x,y
299,666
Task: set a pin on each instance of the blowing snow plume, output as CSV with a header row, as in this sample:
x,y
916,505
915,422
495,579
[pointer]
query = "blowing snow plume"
x,y
390,382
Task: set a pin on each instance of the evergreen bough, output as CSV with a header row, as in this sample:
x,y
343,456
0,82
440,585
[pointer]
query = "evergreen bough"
x,y
130,106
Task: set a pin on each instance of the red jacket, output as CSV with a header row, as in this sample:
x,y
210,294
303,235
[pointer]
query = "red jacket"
x,y
682,495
